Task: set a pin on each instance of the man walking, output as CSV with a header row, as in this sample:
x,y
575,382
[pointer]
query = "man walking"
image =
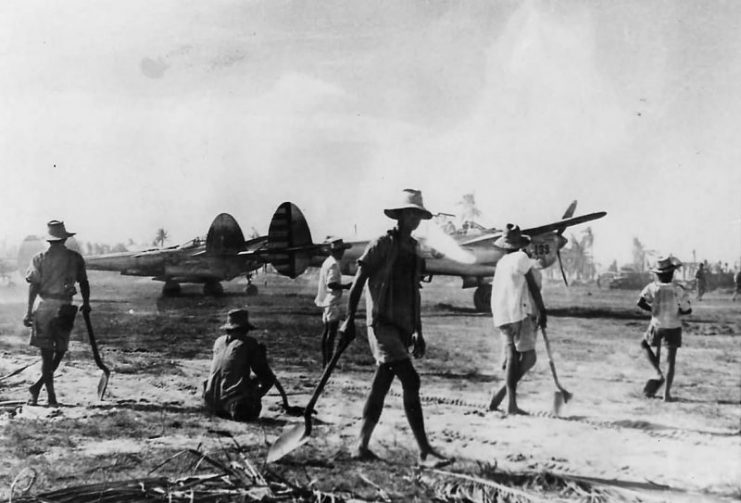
x,y
51,276
392,270
517,311
329,295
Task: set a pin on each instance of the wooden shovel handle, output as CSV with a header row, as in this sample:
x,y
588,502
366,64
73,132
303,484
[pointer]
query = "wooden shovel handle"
x,y
343,344
93,344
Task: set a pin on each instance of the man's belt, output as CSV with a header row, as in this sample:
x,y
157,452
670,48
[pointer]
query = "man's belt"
x,y
55,296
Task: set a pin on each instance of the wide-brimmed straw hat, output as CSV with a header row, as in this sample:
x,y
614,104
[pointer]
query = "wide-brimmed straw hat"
x,y
238,319
512,238
666,264
409,199
336,243
56,231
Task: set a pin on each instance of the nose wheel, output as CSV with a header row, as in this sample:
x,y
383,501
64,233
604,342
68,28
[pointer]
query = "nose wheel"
x,y
171,289
251,288
482,299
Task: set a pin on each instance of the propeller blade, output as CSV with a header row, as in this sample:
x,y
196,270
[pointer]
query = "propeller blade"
x,y
560,264
431,235
556,226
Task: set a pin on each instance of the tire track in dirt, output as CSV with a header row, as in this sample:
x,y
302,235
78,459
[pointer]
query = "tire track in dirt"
x,y
621,425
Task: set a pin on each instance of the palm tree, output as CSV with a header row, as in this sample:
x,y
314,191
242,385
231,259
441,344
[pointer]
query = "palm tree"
x,y
160,237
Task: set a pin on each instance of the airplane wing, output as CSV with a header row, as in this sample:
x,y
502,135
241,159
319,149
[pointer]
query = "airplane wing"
x,y
567,222
534,231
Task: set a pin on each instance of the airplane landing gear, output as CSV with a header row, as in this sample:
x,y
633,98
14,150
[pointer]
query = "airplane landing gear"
x,y
213,288
171,289
250,289
482,299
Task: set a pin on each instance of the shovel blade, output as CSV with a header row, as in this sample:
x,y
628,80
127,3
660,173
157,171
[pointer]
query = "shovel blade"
x,y
288,441
558,401
560,397
102,385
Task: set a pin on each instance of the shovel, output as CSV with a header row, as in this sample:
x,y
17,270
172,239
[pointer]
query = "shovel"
x,y
299,434
561,396
103,383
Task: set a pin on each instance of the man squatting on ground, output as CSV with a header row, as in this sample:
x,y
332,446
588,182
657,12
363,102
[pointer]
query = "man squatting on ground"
x,y
665,300
329,295
51,276
517,311
231,391
392,270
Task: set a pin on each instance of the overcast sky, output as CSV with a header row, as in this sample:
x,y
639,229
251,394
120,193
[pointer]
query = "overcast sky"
x,y
123,117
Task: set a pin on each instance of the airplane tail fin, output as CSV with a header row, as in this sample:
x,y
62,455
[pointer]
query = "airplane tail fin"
x,y
290,247
570,210
224,237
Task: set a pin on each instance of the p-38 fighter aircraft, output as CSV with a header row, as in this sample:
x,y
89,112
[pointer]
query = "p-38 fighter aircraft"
x,y
469,255
222,256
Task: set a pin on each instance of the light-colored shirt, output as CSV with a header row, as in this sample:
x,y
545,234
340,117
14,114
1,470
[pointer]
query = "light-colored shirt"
x,y
328,274
510,298
55,272
392,291
666,299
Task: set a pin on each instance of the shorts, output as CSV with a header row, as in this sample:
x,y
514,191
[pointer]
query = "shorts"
x,y
388,343
520,333
671,337
49,331
331,313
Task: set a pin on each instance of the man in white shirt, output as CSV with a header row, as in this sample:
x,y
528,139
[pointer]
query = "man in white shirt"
x,y
517,311
666,301
329,294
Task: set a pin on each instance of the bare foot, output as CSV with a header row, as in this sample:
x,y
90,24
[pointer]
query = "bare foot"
x,y
433,459
364,454
34,399
669,398
517,412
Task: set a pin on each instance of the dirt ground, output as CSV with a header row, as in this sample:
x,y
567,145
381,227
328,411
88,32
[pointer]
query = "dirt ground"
x,y
159,351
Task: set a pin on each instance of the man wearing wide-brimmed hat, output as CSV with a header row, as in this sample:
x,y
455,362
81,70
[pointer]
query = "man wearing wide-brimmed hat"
x,y
517,311
329,294
240,374
51,276
666,301
392,270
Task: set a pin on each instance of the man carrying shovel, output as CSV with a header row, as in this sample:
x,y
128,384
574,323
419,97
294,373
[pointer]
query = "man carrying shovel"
x,y
51,276
517,311
392,270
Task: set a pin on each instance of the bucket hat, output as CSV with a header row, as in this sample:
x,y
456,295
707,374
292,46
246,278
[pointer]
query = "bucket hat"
x,y
336,243
238,319
666,264
408,199
512,238
56,231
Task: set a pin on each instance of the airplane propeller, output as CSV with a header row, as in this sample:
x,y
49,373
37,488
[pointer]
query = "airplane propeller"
x,y
433,236
560,264
568,214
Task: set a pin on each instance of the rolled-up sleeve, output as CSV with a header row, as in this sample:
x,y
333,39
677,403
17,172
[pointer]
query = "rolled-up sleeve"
x,y
33,273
